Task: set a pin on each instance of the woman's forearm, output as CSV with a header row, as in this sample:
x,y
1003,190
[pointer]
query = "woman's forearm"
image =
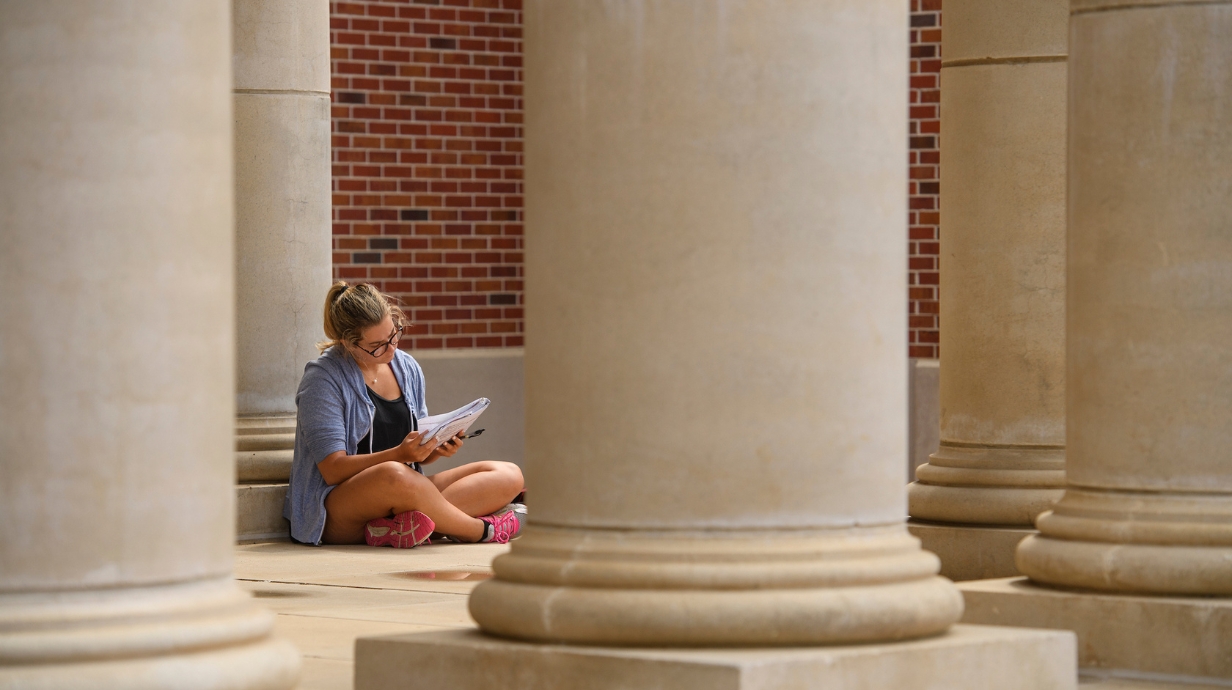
x,y
339,467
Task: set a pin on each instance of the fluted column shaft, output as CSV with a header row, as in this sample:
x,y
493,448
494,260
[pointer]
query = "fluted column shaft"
x,y
1002,454
1148,506
282,217
117,364
714,375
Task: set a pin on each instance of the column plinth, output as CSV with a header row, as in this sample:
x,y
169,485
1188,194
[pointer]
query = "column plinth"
x,y
1001,460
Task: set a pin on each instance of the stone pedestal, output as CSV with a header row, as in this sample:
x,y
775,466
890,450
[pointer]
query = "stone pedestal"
x,y
1178,637
1001,460
967,657
116,299
715,389
280,56
970,552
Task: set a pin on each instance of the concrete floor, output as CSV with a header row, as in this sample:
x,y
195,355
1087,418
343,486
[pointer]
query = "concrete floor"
x,y
325,597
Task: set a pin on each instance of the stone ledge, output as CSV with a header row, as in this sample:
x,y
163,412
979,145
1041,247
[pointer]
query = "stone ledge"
x,y
971,552
966,658
1184,637
258,512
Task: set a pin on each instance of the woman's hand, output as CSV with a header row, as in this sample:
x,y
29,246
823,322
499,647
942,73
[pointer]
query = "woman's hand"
x,y
411,451
446,449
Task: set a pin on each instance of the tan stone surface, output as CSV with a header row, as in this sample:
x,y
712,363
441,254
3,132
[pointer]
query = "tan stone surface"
x,y
1089,682
1149,506
971,552
327,674
258,512
323,618
1178,636
705,212
1166,267
282,201
966,657
117,188
1005,29
1001,459
281,45
363,566
923,412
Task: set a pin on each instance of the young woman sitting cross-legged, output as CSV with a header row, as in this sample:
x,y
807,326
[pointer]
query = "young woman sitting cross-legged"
x,y
357,474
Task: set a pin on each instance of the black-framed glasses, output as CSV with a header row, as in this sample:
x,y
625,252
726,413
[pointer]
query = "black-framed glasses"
x,y
392,342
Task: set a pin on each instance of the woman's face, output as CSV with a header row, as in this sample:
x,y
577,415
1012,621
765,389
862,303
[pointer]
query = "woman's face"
x,y
380,339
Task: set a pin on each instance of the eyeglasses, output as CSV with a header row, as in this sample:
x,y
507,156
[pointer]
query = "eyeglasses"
x,y
384,347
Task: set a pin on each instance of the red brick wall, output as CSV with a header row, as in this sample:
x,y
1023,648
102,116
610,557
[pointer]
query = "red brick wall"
x,y
427,156
924,188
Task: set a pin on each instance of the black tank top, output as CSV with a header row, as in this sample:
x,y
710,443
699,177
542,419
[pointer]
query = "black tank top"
x,y
391,423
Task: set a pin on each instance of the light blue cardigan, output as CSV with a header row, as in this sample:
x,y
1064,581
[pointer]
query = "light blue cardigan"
x,y
333,414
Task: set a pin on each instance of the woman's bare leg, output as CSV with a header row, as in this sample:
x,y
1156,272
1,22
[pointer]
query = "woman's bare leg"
x,y
479,488
388,489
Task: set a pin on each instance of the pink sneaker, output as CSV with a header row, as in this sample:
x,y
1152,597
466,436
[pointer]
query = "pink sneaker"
x,y
506,523
402,531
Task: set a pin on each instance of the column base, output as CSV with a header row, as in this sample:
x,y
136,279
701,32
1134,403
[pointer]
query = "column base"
x,y
199,635
973,484
670,588
971,552
270,664
966,657
1172,636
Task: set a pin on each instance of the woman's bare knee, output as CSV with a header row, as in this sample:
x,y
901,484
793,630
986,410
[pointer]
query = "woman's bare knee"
x,y
399,480
512,474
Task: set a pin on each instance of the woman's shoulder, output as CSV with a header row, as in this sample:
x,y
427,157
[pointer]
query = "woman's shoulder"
x,y
329,366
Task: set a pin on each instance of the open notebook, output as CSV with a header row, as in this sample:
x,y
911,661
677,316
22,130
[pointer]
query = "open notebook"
x,y
439,428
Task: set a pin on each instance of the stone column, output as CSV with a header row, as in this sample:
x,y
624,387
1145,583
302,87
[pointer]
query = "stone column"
x,y
282,221
715,380
117,354
1002,456
1147,508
